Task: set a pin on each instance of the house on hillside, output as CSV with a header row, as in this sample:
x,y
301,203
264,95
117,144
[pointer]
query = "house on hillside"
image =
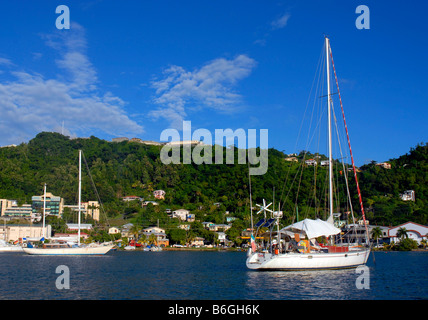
x,y
311,162
159,194
408,195
325,163
131,198
384,165
183,215
113,230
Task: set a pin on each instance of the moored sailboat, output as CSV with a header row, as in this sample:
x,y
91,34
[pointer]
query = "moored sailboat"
x,y
295,246
67,248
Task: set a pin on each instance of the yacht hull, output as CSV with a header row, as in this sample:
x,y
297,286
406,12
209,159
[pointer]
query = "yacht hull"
x,y
99,250
307,261
11,249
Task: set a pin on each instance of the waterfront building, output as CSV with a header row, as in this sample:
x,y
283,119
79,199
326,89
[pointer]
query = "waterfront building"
x,y
54,204
14,232
413,230
198,241
5,203
15,211
161,239
90,208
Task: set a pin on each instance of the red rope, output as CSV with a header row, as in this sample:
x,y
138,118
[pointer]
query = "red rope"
x,y
349,143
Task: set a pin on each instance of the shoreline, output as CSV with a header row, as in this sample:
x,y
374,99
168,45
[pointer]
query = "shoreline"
x,y
190,249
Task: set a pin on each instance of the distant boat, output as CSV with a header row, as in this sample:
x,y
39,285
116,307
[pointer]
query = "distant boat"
x,y
294,247
63,248
6,247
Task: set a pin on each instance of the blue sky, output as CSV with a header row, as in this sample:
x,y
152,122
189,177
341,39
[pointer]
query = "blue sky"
x,y
135,68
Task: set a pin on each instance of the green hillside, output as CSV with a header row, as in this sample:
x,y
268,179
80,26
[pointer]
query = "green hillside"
x,y
131,168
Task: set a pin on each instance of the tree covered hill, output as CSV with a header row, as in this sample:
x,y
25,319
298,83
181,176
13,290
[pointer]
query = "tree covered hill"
x,y
132,168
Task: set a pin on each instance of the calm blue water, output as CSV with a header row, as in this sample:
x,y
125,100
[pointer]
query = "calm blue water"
x,y
204,276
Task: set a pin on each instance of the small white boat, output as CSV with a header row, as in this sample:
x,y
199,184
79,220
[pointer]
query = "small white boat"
x,y
129,248
6,247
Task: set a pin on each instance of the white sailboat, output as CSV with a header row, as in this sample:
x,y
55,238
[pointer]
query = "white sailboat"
x,y
69,248
295,246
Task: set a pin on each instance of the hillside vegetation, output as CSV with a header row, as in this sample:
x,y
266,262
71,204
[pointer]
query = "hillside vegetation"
x,y
131,168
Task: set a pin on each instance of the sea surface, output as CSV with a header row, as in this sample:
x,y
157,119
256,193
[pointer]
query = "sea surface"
x,y
200,275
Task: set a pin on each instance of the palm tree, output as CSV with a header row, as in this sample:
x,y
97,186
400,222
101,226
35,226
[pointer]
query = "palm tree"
x,y
143,239
376,234
152,239
135,230
402,233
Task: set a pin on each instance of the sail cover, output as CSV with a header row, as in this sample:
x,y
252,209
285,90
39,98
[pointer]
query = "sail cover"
x,y
312,228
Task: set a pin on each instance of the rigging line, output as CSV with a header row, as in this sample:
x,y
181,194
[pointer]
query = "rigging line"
x,y
308,141
350,149
251,202
316,75
96,191
345,173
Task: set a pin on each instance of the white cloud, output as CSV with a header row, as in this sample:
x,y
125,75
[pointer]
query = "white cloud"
x,y
209,86
281,22
5,62
30,103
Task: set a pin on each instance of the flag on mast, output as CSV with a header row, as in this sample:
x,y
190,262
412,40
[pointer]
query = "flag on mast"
x,y
253,243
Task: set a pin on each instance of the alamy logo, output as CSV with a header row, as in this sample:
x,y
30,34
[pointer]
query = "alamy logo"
x,y
363,20
63,281
202,151
363,280
63,21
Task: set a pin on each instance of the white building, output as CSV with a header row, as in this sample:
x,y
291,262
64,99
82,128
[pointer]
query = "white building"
x,y
75,226
159,194
414,231
113,230
13,232
185,142
325,163
408,195
311,162
180,214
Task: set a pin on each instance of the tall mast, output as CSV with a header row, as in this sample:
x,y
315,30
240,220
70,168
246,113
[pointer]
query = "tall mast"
x,y
80,195
44,211
330,158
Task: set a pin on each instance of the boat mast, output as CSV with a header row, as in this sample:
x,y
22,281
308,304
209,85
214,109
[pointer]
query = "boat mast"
x,y
44,211
80,195
330,159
